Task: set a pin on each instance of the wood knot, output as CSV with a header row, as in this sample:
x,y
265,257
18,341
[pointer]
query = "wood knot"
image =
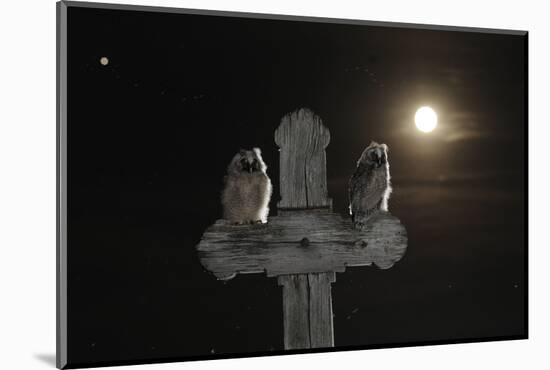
x,y
304,242
361,244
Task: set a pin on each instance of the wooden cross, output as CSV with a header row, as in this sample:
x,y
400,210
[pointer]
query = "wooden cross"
x,y
305,244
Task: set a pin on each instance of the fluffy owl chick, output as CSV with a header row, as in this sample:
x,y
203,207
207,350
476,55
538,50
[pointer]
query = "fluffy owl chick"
x,y
247,191
369,187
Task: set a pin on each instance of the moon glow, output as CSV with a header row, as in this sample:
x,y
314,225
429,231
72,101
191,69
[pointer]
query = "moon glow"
x,y
425,119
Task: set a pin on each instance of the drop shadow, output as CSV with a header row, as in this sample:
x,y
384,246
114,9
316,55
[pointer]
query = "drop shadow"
x,y
47,358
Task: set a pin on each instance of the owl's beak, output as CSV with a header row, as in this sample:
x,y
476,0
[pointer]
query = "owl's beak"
x,y
380,160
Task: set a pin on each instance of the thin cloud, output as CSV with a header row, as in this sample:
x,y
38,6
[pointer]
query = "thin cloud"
x,y
455,127
465,134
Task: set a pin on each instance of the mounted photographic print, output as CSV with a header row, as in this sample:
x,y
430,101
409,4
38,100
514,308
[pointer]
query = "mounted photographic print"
x,y
234,185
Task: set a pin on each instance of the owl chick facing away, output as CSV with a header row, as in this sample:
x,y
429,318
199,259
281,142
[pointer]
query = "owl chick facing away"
x,y
369,187
247,191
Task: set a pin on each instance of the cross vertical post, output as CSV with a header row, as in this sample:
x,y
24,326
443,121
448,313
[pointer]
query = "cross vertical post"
x,y
307,302
307,310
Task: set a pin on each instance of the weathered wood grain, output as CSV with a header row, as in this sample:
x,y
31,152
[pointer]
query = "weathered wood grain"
x,y
302,139
298,242
307,310
320,310
295,311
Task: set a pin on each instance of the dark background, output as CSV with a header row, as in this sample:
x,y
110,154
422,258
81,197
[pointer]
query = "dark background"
x,y
151,134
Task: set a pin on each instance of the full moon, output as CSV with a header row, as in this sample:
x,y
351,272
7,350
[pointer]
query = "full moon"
x,y
425,119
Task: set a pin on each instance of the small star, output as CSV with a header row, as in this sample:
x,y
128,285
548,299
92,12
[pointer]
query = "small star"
x,y
104,61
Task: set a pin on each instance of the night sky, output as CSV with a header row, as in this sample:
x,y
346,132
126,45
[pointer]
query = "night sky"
x,y
151,133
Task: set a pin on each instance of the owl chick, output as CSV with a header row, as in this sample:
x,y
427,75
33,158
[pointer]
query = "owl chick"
x,y
369,187
247,191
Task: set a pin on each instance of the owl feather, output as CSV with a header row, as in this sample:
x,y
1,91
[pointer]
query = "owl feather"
x,y
369,186
247,189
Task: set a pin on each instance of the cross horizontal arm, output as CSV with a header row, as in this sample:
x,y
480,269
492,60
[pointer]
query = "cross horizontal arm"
x,y
299,242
